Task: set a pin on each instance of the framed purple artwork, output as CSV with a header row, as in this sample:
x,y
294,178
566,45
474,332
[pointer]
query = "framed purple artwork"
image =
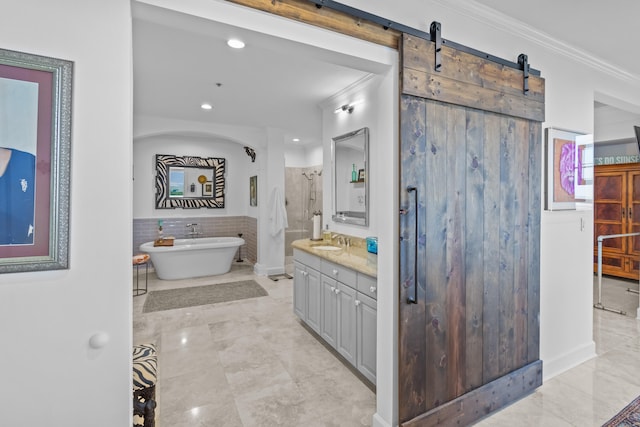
x,y
35,138
564,170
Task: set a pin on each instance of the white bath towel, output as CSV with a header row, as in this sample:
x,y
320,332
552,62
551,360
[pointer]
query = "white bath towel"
x,y
278,215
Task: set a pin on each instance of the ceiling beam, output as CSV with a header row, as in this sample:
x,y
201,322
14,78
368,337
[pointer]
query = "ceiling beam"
x,y
330,19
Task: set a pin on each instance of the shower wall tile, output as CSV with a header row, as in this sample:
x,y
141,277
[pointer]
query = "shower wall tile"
x,y
303,196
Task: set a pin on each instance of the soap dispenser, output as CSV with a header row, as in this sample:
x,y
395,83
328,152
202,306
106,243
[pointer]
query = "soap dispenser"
x,y
326,235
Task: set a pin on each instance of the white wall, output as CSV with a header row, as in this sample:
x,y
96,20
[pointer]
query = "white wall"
x,y
613,124
48,373
270,231
237,164
52,314
295,157
302,156
365,114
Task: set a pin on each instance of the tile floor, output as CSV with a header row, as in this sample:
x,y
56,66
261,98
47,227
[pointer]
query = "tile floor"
x,y
251,363
246,363
593,392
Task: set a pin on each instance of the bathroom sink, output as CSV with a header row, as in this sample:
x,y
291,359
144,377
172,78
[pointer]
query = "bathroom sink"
x,y
326,248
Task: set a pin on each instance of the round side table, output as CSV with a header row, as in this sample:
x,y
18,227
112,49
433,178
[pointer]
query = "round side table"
x,y
138,260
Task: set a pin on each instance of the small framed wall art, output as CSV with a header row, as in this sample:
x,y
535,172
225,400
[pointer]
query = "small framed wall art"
x,y
568,168
253,190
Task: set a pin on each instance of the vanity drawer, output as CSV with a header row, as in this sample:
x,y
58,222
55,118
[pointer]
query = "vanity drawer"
x,y
340,273
307,259
367,285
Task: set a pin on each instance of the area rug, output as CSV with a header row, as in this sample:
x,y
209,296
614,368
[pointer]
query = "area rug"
x,y
171,299
629,416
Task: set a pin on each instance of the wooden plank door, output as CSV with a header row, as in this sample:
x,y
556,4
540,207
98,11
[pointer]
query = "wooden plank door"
x,y
470,185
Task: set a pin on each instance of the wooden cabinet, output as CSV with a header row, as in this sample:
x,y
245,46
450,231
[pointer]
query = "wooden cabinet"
x,y
617,211
345,301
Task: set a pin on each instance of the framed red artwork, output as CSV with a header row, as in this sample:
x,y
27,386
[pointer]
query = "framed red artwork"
x,y
35,139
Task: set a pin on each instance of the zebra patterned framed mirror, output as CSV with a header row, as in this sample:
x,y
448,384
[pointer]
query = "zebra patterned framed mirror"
x,y
189,182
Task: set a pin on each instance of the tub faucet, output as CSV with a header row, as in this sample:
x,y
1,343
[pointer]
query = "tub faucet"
x,y
193,232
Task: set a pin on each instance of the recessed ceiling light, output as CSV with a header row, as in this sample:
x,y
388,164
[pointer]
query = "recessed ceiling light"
x,y
235,43
296,139
206,106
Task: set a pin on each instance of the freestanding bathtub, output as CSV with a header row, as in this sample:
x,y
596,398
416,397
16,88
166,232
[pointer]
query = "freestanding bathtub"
x,y
206,256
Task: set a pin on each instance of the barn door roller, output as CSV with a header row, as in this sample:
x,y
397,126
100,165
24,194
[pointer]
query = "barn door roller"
x,y
436,37
387,24
523,61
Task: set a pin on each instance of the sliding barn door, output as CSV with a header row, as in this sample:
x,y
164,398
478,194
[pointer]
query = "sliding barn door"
x,y
470,227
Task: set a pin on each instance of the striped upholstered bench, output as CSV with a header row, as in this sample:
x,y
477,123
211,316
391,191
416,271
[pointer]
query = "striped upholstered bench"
x,y
145,367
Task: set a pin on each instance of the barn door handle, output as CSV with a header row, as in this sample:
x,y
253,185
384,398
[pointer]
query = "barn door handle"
x,y
414,299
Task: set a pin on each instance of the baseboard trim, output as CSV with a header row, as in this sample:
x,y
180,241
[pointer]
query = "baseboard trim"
x,y
377,421
569,360
262,270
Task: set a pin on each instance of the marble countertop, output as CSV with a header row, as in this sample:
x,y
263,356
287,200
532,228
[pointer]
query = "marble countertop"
x,y
355,257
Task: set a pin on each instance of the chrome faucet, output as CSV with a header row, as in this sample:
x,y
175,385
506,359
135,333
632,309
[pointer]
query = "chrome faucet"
x,y
342,240
193,232
339,237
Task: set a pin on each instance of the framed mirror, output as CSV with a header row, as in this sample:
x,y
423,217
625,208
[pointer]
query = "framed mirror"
x,y
189,182
350,177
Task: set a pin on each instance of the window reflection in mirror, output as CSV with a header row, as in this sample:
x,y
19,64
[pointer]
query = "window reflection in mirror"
x,y
350,158
190,182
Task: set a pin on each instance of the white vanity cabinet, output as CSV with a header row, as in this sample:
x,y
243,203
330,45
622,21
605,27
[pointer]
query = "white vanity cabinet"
x,y
366,317
329,308
347,306
306,290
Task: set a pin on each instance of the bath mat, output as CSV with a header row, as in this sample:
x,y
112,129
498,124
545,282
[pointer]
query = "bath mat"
x,y
171,299
629,416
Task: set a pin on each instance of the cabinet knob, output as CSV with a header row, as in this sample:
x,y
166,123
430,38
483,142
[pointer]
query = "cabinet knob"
x,y
357,303
337,291
304,273
333,289
335,272
372,289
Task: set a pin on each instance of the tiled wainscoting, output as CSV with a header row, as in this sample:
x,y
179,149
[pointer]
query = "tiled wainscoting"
x,y
146,230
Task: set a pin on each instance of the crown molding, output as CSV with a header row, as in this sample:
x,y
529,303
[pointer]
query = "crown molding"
x,y
499,20
339,98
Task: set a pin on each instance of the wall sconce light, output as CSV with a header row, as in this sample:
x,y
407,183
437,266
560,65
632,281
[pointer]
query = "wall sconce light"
x,y
251,153
346,107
